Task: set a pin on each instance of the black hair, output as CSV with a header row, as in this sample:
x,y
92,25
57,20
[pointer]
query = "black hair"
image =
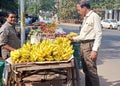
x,y
26,15
10,12
84,4
1,14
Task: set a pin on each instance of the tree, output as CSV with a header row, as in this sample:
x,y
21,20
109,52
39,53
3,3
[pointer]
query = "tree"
x,y
47,5
67,9
44,5
105,4
9,5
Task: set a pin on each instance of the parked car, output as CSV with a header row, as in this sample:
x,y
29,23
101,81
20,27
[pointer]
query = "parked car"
x,y
118,25
109,24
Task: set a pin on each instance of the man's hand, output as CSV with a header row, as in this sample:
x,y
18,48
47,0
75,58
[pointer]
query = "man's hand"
x,y
93,55
71,39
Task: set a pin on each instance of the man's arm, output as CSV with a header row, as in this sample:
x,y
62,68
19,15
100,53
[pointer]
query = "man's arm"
x,y
6,46
98,36
98,33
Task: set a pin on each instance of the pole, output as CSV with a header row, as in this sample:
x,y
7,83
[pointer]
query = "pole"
x,y
22,22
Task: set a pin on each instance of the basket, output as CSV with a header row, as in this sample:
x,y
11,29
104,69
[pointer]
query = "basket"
x,y
76,54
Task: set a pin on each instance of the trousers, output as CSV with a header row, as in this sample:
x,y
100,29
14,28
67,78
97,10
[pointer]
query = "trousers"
x,y
89,66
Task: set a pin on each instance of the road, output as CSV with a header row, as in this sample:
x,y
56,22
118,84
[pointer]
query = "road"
x,y
108,59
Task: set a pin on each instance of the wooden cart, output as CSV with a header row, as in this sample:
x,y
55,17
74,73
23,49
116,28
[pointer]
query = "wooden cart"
x,y
66,68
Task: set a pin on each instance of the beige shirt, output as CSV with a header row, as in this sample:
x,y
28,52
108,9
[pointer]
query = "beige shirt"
x,y
91,29
8,35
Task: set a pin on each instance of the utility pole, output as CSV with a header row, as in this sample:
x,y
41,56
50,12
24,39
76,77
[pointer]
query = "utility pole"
x,y
22,22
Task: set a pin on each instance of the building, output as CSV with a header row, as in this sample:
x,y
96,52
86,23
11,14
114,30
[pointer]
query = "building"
x,y
111,14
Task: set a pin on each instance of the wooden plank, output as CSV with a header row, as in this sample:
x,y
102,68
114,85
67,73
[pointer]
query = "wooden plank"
x,y
25,67
69,66
45,66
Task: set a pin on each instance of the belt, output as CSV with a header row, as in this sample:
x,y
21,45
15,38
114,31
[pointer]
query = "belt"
x,y
87,41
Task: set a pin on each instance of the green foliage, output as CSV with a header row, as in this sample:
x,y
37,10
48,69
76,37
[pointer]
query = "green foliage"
x,y
44,5
67,9
47,5
31,9
9,5
106,4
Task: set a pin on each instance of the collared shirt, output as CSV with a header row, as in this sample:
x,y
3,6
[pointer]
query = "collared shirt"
x,y
27,21
91,29
8,35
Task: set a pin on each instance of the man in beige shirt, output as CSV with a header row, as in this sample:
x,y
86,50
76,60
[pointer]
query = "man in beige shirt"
x,y
8,36
90,37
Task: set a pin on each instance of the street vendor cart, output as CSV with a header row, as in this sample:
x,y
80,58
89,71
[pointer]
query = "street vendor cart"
x,y
66,68
46,57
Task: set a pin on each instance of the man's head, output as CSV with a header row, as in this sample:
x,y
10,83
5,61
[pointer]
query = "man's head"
x,y
83,7
11,17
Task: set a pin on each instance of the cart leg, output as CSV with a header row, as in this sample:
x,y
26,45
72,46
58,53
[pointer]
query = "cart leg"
x,y
73,76
77,74
11,81
70,77
18,79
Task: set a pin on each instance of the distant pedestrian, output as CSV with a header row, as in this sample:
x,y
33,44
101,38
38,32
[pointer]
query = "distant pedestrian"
x,y
27,20
2,20
1,23
90,37
8,35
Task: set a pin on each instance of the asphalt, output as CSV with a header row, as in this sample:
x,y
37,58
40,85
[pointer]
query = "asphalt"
x,y
69,24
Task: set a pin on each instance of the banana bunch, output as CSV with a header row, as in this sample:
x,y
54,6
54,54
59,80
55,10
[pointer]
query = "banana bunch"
x,y
42,51
48,50
71,35
15,55
25,52
37,53
22,54
63,49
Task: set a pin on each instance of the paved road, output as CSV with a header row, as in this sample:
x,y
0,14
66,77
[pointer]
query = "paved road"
x,y
108,59
70,28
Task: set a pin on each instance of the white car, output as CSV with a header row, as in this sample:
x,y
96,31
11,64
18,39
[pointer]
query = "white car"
x,y
118,25
109,24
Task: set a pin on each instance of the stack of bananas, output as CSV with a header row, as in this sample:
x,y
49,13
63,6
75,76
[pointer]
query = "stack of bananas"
x,y
22,54
58,50
71,35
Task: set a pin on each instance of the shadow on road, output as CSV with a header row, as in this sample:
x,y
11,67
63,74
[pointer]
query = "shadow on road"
x,y
105,82
110,47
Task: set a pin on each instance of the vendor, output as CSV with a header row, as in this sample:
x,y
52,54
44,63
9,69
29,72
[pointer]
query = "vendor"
x,y
8,36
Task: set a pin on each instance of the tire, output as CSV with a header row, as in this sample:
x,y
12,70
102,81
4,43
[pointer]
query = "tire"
x,y
102,26
118,28
111,27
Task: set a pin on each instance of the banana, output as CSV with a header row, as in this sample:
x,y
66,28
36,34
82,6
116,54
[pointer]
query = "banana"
x,y
48,50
